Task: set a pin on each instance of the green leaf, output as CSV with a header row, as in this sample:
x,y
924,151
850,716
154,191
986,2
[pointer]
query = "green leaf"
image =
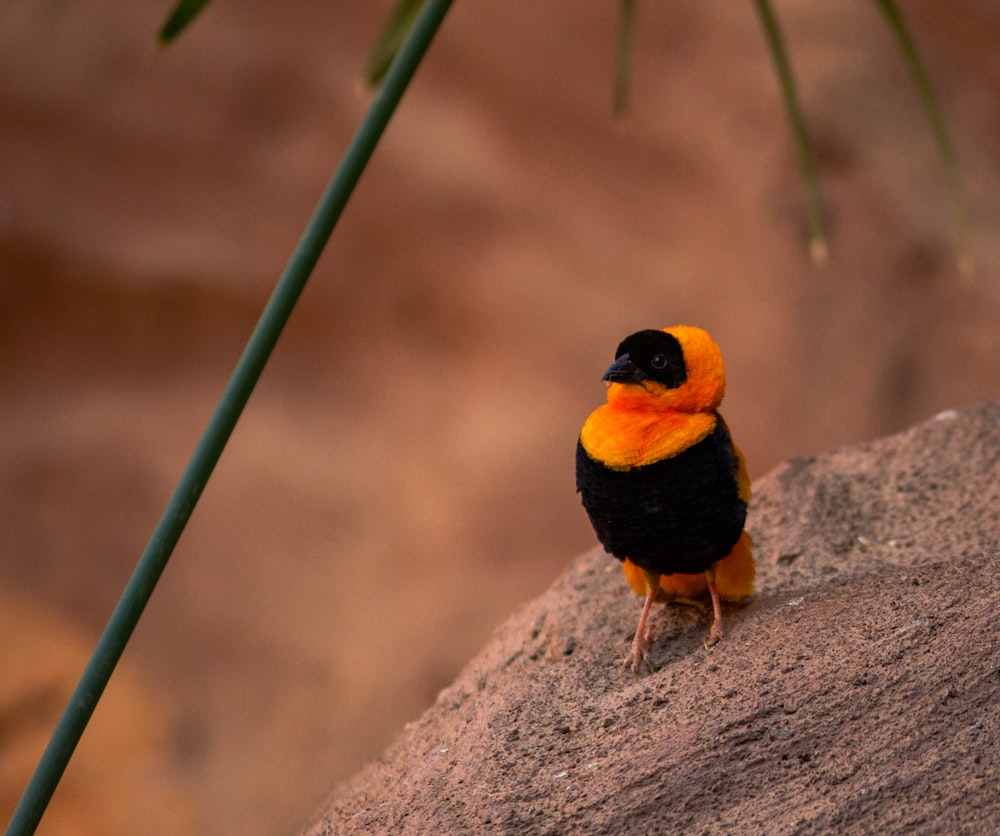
x,y
390,39
184,12
623,56
938,126
807,166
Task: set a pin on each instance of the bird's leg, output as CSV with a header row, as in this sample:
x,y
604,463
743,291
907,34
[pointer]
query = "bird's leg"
x,y
642,639
715,633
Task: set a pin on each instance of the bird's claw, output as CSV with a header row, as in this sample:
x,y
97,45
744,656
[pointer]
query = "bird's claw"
x,y
639,654
714,636
633,662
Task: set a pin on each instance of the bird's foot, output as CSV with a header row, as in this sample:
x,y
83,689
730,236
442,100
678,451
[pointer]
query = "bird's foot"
x,y
639,654
714,636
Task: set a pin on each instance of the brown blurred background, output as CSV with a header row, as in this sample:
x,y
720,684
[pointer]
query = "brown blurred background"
x,y
403,476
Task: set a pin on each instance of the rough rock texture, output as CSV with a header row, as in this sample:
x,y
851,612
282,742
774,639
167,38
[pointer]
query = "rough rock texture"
x,y
858,691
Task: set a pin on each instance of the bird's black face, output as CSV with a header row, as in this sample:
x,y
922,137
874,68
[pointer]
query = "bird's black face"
x,y
648,355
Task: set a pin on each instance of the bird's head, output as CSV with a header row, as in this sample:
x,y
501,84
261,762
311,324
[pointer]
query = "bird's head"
x,y
677,368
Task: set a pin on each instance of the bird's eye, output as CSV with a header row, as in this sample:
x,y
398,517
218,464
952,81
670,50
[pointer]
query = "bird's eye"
x,y
659,361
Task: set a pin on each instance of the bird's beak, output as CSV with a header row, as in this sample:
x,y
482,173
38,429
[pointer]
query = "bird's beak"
x,y
623,370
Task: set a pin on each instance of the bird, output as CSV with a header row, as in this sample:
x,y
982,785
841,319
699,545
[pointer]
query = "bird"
x,y
662,482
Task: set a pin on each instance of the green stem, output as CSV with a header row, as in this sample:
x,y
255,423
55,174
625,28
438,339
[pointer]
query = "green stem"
x,y
140,587
947,151
179,19
390,39
623,56
814,210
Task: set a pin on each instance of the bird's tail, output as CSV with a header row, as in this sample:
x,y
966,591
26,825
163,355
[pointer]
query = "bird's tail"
x,y
734,576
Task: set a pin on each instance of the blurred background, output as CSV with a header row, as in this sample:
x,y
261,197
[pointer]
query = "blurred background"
x,y
402,479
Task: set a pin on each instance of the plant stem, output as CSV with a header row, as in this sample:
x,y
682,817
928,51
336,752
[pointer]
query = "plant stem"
x,y
814,209
623,56
151,564
945,148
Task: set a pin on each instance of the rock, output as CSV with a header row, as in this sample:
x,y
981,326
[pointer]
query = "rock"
x,y
857,691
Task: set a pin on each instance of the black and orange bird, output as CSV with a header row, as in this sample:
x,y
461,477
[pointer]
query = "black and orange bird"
x,y
661,480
